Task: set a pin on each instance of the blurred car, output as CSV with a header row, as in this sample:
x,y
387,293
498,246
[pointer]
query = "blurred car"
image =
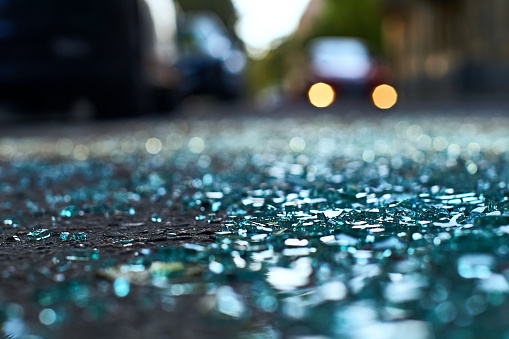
x,y
120,54
211,61
347,65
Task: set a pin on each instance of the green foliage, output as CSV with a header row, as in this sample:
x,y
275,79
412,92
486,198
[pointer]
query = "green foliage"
x,y
360,18
265,72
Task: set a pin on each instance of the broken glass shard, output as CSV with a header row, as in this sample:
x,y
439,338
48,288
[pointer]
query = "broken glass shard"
x,y
156,218
80,236
82,254
39,234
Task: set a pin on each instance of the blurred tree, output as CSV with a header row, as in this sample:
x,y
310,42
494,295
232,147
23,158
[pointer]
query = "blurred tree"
x,y
223,8
286,65
359,18
268,71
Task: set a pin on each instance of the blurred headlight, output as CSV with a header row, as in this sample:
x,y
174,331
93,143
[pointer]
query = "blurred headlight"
x,y
321,95
384,96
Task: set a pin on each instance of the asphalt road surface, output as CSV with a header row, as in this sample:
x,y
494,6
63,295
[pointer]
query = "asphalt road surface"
x,y
220,220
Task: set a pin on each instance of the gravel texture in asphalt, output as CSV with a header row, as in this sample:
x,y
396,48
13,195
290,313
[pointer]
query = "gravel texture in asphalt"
x,y
323,225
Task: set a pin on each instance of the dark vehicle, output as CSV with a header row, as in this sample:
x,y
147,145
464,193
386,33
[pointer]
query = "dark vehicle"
x,y
347,65
121,54
211,62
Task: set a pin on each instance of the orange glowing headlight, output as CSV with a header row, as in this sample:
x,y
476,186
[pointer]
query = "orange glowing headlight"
x,y
384,96
321,95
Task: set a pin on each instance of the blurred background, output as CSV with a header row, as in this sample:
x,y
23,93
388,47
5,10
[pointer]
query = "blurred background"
x,y
109,58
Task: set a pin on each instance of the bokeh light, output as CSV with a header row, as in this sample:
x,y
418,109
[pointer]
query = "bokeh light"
x,y
474,148
384,96
297,144
368,156
196,145
471,168
440,143
321,95
153,145
122,287
65,146
81,152
47,316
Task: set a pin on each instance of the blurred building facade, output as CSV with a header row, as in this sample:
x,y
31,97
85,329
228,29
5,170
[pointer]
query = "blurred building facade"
x,y
438,49
448,48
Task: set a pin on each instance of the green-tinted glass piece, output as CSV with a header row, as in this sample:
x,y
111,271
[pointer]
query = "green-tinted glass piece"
x,y
122,287
83,254
39,234
156,218
80,236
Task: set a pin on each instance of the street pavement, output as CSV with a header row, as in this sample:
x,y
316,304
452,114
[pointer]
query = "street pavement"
x,y
256,222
